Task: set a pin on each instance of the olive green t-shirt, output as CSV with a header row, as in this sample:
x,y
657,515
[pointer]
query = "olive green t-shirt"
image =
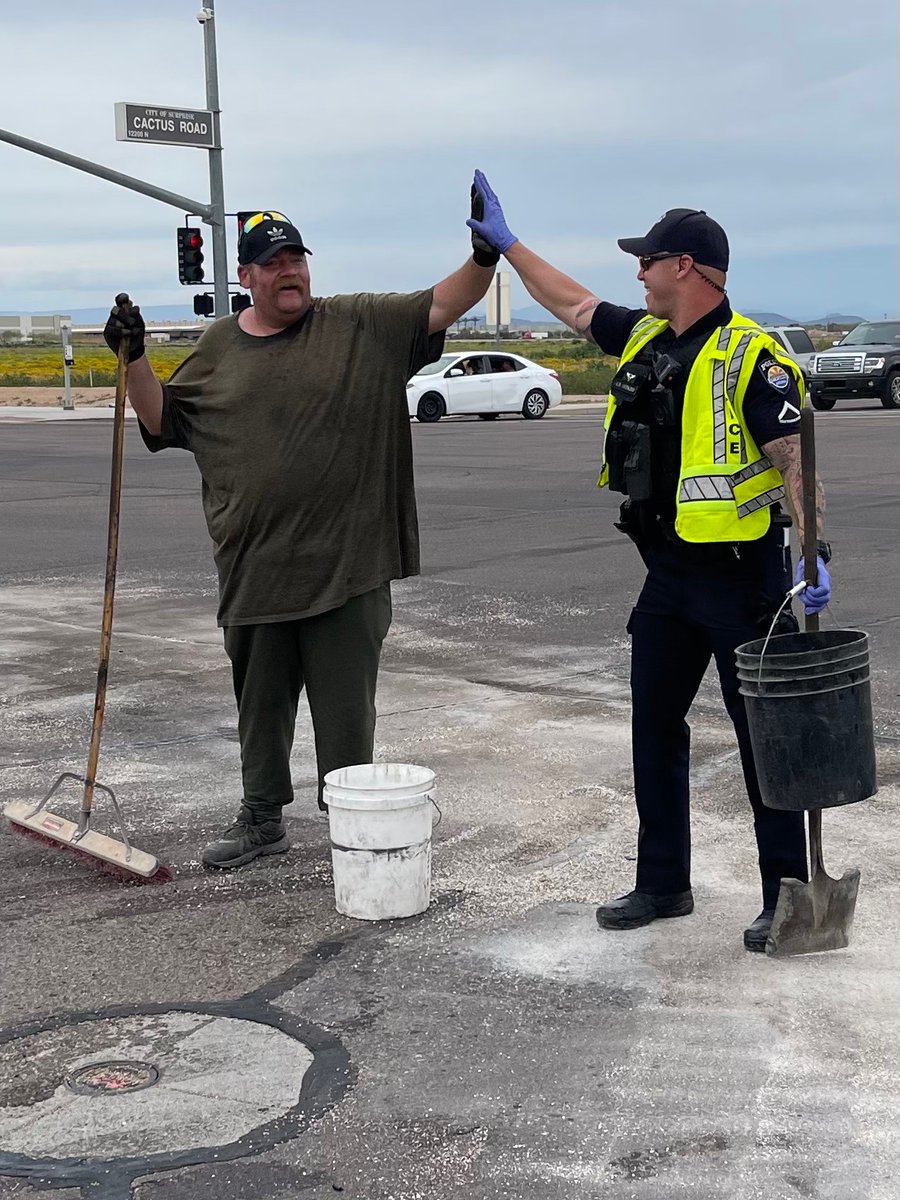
x,y
303,444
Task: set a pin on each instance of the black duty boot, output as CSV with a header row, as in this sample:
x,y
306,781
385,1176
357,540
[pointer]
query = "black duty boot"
x,y
756,935
640,908
245,840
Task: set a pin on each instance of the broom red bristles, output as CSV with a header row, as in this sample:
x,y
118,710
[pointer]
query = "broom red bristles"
x,y
162,873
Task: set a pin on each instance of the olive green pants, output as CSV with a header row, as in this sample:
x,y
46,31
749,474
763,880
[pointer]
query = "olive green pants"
x,y
335,657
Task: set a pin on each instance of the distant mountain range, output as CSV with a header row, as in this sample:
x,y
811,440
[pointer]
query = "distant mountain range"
x,y
534,312
770,318
97,316
531,316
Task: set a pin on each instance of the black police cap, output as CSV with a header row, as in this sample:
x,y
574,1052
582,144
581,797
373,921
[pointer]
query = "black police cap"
x,y
683,231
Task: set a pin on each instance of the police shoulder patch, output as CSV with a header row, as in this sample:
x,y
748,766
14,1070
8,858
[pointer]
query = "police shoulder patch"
x,y
775,374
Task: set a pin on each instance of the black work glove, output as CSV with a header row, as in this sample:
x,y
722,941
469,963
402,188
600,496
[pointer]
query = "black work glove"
x,y
125,320
483,252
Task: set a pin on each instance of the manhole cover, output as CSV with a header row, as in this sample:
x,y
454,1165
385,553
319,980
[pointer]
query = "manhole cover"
x,y
155,1084
104,1077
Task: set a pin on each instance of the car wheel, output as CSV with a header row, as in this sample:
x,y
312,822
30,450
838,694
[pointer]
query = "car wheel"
x,y
488,416
891,397
822,403
431,408
535,405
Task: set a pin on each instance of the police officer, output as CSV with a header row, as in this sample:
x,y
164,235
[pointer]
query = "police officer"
x,y
702,438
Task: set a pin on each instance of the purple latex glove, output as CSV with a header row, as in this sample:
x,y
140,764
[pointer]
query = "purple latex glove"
x,y
816,595
492,227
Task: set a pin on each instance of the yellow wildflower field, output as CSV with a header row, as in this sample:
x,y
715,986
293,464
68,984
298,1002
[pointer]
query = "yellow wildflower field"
x,y
42,366
580,365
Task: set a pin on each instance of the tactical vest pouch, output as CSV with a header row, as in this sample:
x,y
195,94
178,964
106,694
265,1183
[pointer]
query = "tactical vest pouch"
x,y
628,459
664,412
630,382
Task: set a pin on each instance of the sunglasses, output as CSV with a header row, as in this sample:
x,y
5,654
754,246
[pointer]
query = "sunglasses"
x,y
647,260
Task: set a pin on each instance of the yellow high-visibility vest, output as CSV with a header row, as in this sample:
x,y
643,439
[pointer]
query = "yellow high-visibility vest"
x,y
726,484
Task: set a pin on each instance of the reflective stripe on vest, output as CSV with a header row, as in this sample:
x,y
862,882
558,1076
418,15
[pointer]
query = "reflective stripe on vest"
x,y
723,386
722,487
716,502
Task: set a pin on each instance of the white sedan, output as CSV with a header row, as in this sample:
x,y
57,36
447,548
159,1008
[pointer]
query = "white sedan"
x,y
485,385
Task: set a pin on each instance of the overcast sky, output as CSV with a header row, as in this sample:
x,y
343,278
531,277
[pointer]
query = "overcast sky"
x,y
363,121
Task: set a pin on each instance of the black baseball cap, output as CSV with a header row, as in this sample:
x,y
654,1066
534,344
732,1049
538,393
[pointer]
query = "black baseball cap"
x,y
264,234
683,231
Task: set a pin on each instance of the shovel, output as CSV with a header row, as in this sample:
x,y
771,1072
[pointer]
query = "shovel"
x,y
815,916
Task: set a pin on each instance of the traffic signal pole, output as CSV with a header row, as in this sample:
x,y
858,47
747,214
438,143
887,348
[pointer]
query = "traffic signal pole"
x,y
213,213
184,203
216,182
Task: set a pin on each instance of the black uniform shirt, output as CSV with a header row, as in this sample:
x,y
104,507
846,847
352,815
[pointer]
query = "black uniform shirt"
x,y
771,410
771,403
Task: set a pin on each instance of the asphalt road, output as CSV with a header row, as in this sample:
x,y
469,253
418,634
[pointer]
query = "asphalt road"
x,y
508,512
500,1044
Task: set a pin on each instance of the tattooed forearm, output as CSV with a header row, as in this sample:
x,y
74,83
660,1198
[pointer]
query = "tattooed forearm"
x,y
583,314
567,299
784,454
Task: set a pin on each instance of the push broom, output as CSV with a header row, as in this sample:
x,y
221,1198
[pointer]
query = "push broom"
x,y
117,856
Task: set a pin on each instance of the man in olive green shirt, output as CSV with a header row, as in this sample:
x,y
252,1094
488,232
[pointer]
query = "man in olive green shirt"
x,y
295,411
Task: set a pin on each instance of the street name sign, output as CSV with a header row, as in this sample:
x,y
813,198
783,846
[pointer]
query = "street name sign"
x,y
166,126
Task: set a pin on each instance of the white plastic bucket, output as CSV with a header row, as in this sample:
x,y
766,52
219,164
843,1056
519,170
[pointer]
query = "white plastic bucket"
x,y
380,820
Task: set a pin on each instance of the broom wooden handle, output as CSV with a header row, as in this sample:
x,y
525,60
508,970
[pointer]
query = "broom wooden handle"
x,y
109,586
810,530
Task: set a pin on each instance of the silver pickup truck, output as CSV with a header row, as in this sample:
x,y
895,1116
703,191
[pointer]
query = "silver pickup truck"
x,y
865,363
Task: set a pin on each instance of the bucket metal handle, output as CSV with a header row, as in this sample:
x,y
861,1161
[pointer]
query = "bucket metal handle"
x,y
437,810
795,591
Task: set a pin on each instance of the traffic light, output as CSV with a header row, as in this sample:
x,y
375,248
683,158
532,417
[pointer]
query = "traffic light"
x,y
204,305
190,255
240,301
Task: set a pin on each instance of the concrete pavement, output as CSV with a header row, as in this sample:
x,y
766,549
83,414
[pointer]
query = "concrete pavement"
x,y
28,412
499,1045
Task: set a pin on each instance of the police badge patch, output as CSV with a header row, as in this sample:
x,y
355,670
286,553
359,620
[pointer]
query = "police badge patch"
x,y
775,375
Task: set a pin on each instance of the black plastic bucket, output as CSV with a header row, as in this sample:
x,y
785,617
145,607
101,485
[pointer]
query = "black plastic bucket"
x,y
809,707
759,671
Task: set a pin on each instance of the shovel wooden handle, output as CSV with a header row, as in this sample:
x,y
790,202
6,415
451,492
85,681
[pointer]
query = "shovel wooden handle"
x,y
811,574
109,587
810,530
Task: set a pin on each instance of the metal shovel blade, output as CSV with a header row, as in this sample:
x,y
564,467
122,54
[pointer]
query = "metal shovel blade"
x,y
815,916
812,917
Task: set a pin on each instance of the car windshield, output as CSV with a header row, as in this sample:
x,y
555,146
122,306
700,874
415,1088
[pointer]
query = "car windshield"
x,y
441,365
799,340
873,334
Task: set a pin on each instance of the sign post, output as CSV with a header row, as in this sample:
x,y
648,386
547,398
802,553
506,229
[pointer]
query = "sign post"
x,y
216,183
198,127
68,363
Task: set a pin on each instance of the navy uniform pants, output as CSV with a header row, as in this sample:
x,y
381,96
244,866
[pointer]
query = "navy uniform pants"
x,y
683,619
335,656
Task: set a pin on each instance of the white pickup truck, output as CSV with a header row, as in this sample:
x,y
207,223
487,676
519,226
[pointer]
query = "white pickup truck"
x,y
795,341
